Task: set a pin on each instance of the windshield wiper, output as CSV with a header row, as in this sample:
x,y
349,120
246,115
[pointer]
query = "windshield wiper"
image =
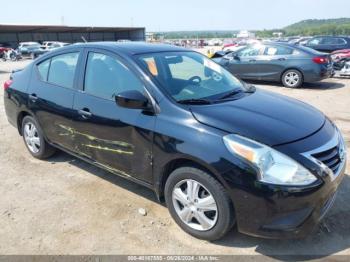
x,y
194,101
231,93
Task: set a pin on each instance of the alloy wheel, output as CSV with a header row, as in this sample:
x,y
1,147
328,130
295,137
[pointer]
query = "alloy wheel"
x,y
195,205
292,79
31,136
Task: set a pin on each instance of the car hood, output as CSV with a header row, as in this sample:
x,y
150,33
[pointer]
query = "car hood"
x,y
263,116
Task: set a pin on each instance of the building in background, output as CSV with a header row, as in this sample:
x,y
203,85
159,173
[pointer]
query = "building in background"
x,y
11,35
245,34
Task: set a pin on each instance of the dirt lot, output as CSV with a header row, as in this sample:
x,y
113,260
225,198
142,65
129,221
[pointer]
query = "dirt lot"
x,y
65,206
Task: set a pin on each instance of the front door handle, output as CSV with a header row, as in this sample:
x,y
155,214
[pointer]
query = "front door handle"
x,y
281,59
85,113
252,60
33,97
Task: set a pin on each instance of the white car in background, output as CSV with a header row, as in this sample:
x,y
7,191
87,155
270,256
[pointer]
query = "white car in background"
x,y
56,45
50,45
215,42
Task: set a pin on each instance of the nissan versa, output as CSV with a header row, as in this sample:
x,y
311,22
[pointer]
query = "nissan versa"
x,y
218,151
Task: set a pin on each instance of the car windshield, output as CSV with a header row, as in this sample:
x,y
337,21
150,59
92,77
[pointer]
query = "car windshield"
x,y
190,76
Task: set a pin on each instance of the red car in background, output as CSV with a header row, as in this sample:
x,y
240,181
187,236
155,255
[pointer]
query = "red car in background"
x,y
340,57
3,49
340,54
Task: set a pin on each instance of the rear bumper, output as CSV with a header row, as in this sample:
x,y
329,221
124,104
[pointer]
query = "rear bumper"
x,y
318,74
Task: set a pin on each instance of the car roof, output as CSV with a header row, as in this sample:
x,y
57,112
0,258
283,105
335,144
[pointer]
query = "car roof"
x,y
335,36
133,48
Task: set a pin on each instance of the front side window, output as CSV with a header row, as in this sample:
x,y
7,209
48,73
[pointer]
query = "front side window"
x,y
43,69
190,76
105,77
278,50
62,69
250,51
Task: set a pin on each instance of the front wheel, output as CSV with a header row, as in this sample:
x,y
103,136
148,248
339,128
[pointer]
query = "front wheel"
x,y
199,204
292,78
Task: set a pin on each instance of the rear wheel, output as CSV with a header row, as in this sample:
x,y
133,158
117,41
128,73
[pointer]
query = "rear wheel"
x,y
292,78
198,203
34,139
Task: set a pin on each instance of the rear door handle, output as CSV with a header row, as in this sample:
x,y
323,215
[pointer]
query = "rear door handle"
x,y
85,113
252,60
281,59
33,97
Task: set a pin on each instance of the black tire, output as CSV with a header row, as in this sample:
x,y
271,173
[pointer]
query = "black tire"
x,y
292,84
45,150
225,211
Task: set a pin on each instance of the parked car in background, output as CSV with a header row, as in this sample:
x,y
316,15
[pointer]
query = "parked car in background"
x,y
328,44
292,65
31,49
56,45
340,54
3,49
215,42
219,151
51,45
340,58
47,44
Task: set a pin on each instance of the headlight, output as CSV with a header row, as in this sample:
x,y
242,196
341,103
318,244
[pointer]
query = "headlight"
x,y
274,167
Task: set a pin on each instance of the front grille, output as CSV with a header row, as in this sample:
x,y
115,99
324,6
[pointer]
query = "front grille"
x,y
330,158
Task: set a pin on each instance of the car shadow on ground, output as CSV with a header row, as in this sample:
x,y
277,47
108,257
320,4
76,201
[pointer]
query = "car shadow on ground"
x,y
332,235
323,85
108,176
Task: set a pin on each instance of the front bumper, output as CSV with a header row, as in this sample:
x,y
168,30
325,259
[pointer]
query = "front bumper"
x,y
286,214
273,211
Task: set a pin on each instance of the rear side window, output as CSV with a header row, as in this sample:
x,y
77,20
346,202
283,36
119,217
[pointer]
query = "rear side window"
x,y
59,70
105,76
62,69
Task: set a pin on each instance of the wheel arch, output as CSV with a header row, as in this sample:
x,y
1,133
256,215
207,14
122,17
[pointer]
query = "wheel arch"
x,y
21,115
179,162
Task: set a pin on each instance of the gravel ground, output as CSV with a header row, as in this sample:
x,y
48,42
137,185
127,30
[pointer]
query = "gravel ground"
x,y
66,206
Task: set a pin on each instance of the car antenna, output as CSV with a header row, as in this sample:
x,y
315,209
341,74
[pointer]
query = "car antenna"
x,y
83,38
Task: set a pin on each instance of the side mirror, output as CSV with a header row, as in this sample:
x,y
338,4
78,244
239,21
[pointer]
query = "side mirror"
x,y
236,57
132,99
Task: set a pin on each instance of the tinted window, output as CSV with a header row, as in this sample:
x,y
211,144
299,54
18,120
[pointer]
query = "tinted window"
x,y
278,50
105,76
340,41
249,51
43,69
62,69
315,41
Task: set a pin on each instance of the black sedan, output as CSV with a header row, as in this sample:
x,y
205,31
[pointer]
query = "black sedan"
x,y
219,152
292,65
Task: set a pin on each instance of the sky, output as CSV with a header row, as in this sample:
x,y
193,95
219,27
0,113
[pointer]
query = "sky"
x,y
173,15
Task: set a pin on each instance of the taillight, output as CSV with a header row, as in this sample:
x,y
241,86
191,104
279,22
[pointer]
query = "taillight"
x,y
7,84
320,60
